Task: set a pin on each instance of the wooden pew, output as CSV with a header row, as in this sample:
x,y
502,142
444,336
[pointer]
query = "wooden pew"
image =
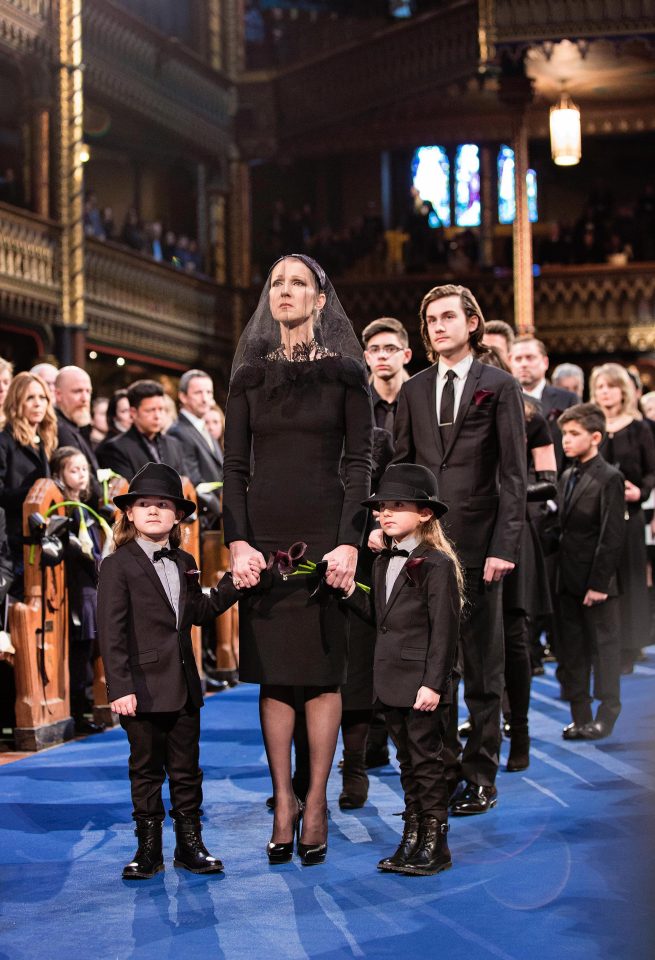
x,y
42,710
215,562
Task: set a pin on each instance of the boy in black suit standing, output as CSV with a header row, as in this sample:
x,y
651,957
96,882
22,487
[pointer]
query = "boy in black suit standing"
x,y
464,420
149,595
592,516
415,602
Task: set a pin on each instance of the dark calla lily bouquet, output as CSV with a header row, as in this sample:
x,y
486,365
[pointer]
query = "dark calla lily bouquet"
x,y
294,563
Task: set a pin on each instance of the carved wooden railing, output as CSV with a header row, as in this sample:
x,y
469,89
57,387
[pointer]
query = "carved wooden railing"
x,y
582,309
24,25
135,304
29,279
510,22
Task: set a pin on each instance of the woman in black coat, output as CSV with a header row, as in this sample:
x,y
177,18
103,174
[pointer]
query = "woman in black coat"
x,y
297,460
26,443
628,445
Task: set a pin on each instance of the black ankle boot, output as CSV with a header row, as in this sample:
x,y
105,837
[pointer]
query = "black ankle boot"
x,y
148,859
190,851
431,854
519,750
406,847
355,780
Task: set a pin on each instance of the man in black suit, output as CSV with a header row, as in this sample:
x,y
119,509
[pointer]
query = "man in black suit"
x,y
464,420
529,362
143,442
203,456
592,517
73,407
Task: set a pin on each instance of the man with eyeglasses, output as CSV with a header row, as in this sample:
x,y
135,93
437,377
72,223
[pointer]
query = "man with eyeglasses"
x,y
387,352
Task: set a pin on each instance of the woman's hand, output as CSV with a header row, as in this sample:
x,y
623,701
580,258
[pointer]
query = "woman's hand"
x,y
632,492
245,564
341,567
376,540
126,706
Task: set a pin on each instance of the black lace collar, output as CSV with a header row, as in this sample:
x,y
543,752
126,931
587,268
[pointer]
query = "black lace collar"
x,y
301,353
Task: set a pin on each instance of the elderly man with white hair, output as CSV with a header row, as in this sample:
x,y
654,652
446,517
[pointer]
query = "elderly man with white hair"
x,y
569,376
48,373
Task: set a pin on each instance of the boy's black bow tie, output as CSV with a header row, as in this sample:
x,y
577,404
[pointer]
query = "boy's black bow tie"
x,y
164,552
394,552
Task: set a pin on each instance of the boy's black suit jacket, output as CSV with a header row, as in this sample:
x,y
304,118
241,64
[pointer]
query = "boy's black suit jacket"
x,y
143,650
417,629
482,472
592,530
126,453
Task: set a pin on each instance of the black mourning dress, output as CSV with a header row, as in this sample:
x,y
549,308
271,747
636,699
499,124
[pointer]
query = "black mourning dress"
x,y
632,451
297,466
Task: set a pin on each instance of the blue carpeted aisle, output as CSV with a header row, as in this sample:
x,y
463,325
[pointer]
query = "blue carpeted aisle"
x,y
561,869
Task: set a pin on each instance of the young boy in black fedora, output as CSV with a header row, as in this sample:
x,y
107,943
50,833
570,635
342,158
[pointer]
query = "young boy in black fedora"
x,y
415,599
149,595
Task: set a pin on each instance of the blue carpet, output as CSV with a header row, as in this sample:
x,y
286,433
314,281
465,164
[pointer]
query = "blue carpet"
x,y
562,868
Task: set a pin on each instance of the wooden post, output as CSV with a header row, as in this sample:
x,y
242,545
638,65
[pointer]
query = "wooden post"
x,y
42,709
487,194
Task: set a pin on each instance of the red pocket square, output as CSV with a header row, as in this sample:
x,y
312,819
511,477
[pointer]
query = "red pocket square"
x,y
412,568
481,396
195,574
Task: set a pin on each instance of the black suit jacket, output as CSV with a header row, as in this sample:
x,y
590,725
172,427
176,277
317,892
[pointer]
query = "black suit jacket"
x,y
554,401
592,531
70,435
201,465
482,471
128,452
143,650
20,468
417,628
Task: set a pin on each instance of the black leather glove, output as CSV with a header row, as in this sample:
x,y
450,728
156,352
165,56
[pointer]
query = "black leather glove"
x,y
544,488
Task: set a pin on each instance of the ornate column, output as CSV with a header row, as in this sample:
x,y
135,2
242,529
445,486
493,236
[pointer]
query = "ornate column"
x,y
214,13
487,197
516,92
232,21
239,229
70,116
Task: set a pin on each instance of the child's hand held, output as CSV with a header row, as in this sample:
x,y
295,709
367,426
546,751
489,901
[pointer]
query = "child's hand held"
x,y
125,706
427,699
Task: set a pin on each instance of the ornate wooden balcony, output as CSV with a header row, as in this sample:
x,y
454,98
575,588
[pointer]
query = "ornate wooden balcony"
x,y
510,23
24,25
578,310
154,310
29,277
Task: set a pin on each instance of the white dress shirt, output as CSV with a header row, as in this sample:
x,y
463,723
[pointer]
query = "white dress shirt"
x,y
167,572
461,371
396,564
538,391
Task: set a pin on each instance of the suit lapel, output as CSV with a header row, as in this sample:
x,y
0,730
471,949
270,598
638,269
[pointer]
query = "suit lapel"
x,y
430,400
402,580
183,584
149,569
465,402
580,487
380,574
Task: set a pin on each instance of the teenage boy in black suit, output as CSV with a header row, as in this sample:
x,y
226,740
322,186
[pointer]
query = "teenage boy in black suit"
x,y
464,421
144,442
592,517
149,596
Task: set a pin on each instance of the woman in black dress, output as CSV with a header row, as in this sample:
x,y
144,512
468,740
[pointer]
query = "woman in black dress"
x,y
297,466
628,445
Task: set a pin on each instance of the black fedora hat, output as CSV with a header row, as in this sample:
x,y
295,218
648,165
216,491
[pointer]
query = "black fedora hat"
x,y
157,480
411,482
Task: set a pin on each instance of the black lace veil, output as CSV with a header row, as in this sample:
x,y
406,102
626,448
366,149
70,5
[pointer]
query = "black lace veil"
x,y
264,346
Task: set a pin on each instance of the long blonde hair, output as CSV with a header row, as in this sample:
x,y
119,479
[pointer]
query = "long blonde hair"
x,y
430,534
21,429
616,376
125,531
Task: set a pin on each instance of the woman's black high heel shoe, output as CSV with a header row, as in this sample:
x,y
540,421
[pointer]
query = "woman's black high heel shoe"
x,y
283,852
312,854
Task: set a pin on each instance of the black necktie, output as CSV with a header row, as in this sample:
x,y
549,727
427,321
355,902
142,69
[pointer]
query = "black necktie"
x,y
447,408
394,553
164,552
571,484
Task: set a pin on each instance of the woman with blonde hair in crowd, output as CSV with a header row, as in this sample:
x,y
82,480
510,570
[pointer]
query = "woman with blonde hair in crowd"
x,y
6,373
28,440
629,446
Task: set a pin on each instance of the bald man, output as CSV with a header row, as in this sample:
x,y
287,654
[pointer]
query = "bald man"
x,y
48,373
73,406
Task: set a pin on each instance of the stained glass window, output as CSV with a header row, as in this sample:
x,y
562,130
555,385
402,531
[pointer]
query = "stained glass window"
x,y
506,195
467,185
431,177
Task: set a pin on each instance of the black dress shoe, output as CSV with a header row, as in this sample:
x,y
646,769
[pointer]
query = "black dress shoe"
x,y
519,750
355,780
216,686
431,854
283,852
596,730
190,852
538,670
464,729
406,846
148,859
573,731
84,725
472,799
